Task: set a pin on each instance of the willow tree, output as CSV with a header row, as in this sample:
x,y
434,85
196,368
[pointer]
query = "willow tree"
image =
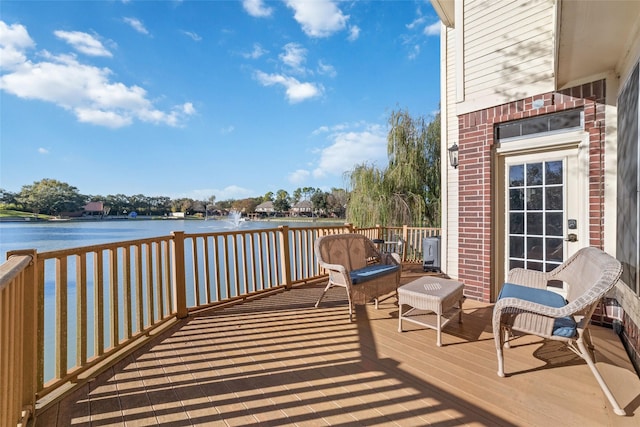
x,y
408,190
367,199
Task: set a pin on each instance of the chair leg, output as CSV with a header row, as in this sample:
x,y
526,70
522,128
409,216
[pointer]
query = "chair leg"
x,y
323,292
605,389
507,335
500,343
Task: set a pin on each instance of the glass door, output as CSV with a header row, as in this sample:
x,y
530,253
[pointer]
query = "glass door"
x,y
542,211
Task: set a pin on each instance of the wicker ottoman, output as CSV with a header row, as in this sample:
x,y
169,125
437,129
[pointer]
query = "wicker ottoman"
x,y
431,294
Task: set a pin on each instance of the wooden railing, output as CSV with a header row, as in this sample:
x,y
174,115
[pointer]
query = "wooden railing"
x,y
18,314
67,314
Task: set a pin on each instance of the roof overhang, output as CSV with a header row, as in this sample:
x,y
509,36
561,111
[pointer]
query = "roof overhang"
x,y
445,10
594,37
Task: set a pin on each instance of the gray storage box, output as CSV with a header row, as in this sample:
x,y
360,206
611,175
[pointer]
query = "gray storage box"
x,y
431,253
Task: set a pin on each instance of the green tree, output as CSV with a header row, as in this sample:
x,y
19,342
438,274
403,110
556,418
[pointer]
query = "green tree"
x,y
408,190
282,203
432,177
319,201
268,197
118,204
297,195
7,198
366,198
337,202
51,197
226,204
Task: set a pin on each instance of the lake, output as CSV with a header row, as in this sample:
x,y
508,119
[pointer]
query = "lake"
x,y
53,235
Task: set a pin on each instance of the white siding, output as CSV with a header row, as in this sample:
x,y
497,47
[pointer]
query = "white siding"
x,y
508,51
450,222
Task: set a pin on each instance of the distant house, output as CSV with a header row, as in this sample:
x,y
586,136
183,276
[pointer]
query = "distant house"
x,y
302,208
93,209
265,207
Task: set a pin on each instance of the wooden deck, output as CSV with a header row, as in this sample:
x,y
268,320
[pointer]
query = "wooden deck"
x,y
279,361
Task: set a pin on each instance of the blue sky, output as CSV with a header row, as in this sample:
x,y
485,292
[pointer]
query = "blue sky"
x,y
200,98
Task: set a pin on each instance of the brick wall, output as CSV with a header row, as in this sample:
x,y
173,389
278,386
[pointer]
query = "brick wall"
x,y
475,141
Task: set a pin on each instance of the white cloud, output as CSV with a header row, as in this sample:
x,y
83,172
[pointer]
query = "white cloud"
x,y
188,108
318,18
432,30
350,148
299,176
83,43
14,40
354,33
256,53
296,91
227,130
257,8
418,22
42,150
195,37
326,69
413,54
294,56
83,89
136,24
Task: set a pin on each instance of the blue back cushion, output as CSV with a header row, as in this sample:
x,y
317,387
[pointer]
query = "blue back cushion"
x,y
371,272
564,326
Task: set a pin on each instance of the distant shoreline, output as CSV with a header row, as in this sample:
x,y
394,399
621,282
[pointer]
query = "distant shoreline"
x,y
27,219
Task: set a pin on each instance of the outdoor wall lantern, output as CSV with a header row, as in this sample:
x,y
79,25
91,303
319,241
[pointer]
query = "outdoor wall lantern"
x,y
453,155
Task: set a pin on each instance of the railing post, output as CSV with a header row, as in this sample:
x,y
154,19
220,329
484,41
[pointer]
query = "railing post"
x,y
179,281
380,232
28,378
285,256
30,352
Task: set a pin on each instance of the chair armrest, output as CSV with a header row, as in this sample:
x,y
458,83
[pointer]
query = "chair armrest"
x,y
338,268
530,278
390,259
337,273
517,305
526,316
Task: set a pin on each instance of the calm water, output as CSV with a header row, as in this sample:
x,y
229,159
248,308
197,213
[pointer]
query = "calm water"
x,y
47,236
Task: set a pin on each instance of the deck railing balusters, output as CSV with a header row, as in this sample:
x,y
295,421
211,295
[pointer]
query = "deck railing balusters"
x,y
146,286
113,298
61,317
81,309
98,306
149,312
137,273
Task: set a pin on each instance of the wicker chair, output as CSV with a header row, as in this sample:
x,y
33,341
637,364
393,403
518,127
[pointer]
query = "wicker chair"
x,y
525,306
355,263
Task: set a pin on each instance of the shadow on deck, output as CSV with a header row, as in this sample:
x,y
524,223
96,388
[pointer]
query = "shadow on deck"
x,y
280,361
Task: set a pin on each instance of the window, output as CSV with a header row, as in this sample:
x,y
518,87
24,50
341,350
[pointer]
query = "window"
x,y
549,123
628,209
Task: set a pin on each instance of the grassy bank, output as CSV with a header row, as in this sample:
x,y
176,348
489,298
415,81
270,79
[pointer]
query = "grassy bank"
x,y
13,214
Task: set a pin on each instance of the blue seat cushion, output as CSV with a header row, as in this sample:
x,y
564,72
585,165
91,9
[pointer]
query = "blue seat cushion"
x,y
371,272
563,326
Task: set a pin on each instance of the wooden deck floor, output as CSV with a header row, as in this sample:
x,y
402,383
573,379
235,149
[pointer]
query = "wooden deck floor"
x,y
278,361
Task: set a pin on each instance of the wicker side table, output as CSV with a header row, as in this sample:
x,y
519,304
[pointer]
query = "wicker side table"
x,y
431,294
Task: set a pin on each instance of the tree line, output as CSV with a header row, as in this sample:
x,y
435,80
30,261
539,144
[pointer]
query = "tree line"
x,y
53,197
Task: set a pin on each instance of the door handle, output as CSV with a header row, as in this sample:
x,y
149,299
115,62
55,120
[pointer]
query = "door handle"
x,y
572,237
